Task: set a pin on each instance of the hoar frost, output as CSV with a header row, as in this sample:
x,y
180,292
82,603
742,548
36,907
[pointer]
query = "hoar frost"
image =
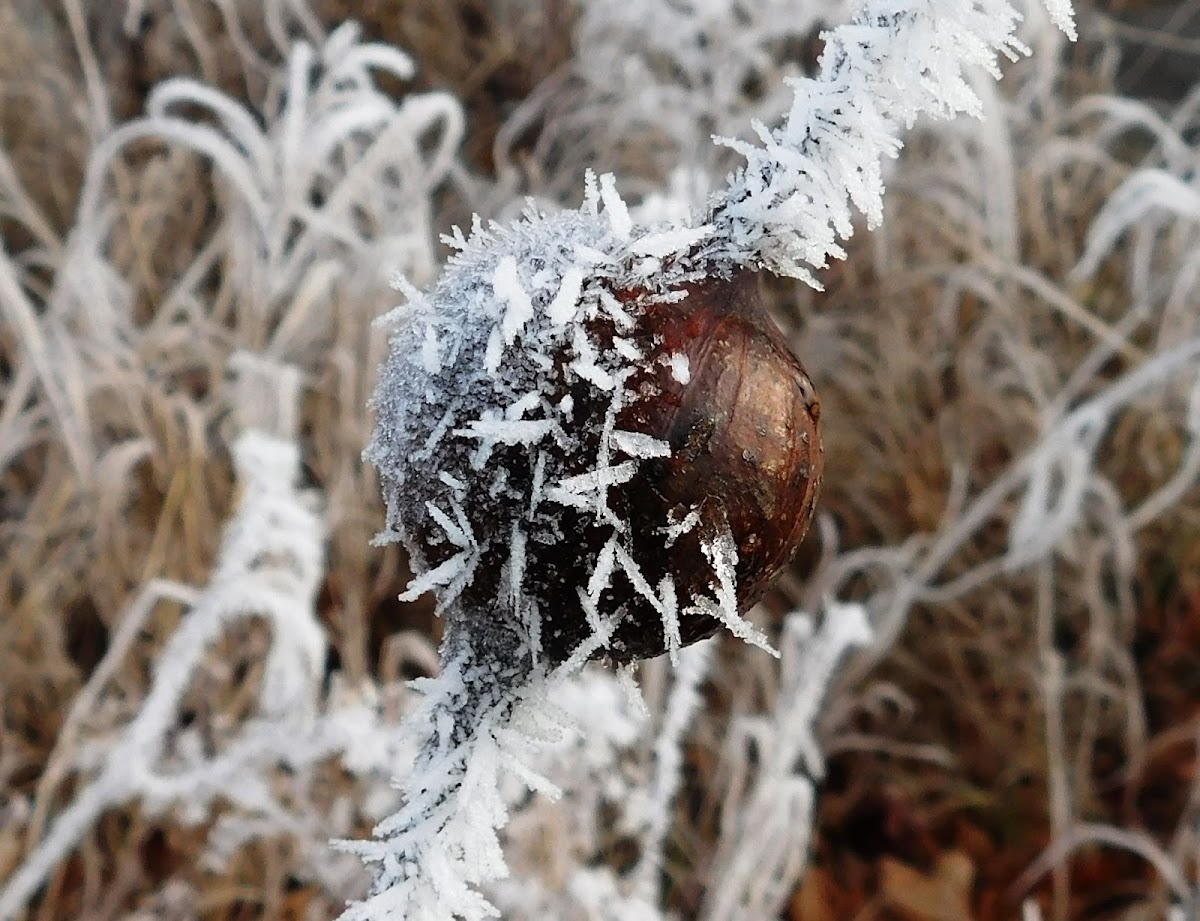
x,y
498,441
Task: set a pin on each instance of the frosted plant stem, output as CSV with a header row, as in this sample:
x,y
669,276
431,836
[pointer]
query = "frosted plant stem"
x,y
25,209
789,207
1051,683
97,92
1087,833
920,583
85,703
23,317
127,768
682,704
434,854
68,829
498,394
269,566
767,824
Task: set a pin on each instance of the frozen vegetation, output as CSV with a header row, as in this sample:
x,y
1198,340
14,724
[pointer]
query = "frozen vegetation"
x,y
1007,344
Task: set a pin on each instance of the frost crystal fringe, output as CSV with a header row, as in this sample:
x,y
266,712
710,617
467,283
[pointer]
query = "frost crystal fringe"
x,y
789,206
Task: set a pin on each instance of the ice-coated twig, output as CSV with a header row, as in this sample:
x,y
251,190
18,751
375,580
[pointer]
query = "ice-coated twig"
x,y
480,718
496,430
788,207
497,438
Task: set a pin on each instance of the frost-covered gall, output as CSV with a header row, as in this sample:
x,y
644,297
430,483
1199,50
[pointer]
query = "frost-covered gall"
x,y
591,441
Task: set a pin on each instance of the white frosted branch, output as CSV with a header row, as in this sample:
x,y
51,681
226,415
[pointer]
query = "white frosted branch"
x,y
789,207
478,721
